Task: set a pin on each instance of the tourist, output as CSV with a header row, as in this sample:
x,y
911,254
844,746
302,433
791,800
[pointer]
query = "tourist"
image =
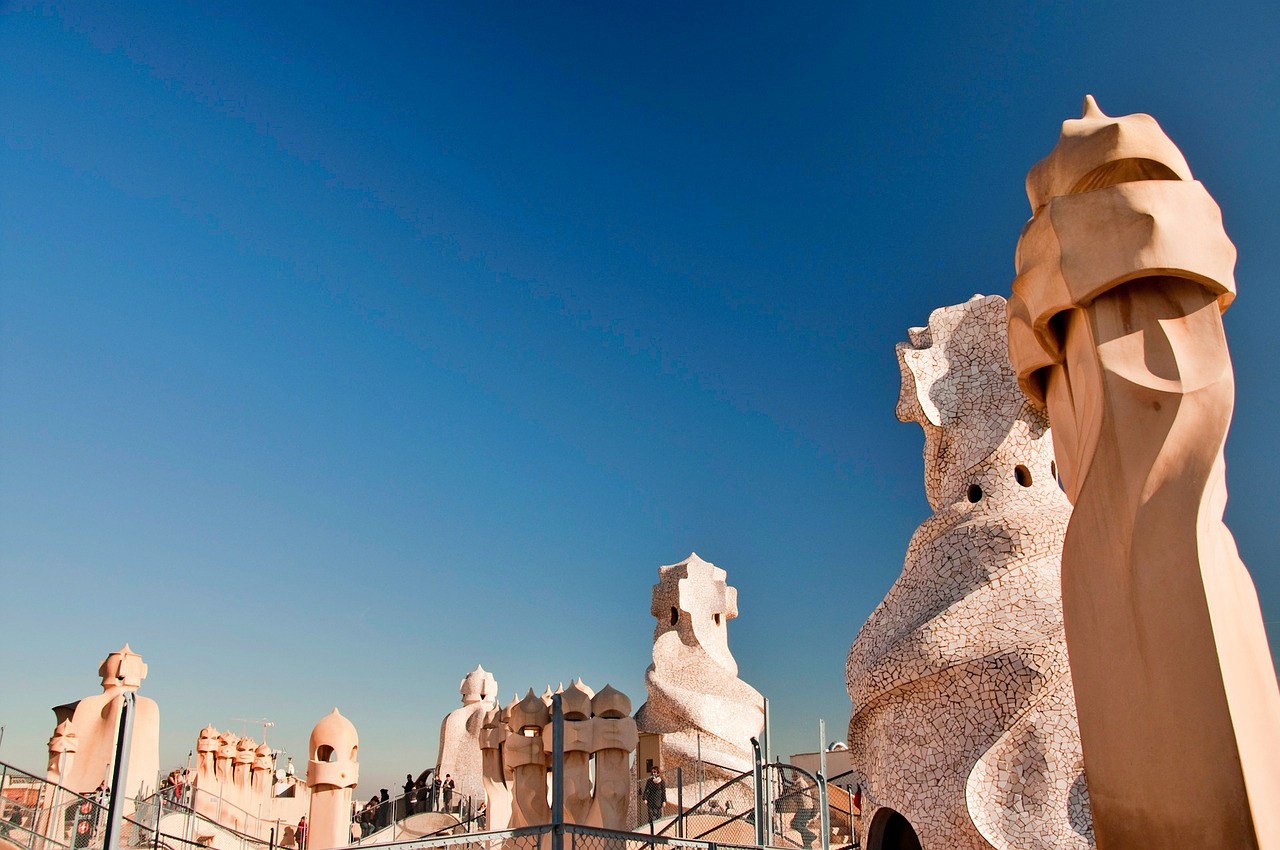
x,y
655,794
435,791
300,833
446,789
166,786
406,808
14,819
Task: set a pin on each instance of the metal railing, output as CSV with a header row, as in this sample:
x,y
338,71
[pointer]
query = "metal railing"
x,y
562,837
792,805
61,819
378,815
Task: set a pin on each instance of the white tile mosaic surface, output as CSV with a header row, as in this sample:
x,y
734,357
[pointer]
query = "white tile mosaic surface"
x,y
963,716
696,700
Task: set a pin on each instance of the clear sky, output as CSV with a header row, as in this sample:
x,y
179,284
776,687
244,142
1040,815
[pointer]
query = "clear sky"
x,y
343,348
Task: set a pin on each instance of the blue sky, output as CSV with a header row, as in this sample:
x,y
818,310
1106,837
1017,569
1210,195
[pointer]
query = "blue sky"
x,y
345,347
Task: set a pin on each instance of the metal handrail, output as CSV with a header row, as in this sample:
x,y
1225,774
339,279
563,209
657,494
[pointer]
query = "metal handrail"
x,y
58,801
741,777
501,837
695,806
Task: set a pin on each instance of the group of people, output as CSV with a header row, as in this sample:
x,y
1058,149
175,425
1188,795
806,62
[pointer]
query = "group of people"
x,y
420,795
428,795
374,814
175,785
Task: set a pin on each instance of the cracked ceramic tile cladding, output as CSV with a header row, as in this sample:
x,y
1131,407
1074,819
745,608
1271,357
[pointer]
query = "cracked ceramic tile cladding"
x,y
963,716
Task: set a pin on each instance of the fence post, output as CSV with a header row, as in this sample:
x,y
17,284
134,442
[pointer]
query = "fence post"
x,y
854,837
825,819
823,800
699,735
73,840
758,776
159,814
557,772
120,772
680,802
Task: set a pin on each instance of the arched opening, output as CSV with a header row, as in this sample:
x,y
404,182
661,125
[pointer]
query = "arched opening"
x,y
716,617
891,831
675,615
975,493
1022,475
325,753
1120,171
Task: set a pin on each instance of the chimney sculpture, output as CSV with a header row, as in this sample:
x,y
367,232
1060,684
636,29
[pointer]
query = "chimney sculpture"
x,y
575,702
226,756
614,737
94,720
460,734
594,726
263,771
203,800
522,752
62,756
963,721
62,752
696,700
332,773
246,749
497,784
1116,327
245,800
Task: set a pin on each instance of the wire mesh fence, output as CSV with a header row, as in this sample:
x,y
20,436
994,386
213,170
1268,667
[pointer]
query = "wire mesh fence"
x,y
417,813
566,837
45,816
790,810
51,817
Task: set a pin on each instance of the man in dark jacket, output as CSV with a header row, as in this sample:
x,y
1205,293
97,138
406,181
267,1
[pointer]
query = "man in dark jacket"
x,y
446,789
655,794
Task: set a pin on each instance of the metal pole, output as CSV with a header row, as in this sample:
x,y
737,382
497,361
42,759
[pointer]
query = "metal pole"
x,y
853,830
768,739
822,785
680,802
769,791
699,734
74,840
115,814
557,772
159,814
822,747
758,776
825,811
858,837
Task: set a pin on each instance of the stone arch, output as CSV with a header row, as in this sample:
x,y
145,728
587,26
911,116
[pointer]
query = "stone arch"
x,y
891,831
